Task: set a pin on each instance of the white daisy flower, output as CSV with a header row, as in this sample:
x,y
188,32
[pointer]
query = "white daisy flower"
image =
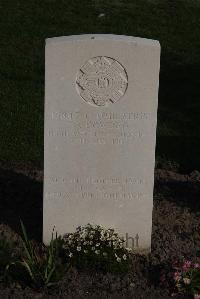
x,y
78,248
128,249
83,236
186,280
124,257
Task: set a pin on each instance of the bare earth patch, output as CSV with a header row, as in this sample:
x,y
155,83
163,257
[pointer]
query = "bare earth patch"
x,y
175,234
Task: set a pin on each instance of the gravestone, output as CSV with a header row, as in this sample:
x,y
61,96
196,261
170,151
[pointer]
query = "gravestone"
x,y
101,96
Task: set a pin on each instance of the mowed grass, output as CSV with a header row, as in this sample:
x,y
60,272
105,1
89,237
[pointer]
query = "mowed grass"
x,y
24,26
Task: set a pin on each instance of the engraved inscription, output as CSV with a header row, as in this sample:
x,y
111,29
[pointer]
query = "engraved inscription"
x,y
73,116
97,188
101,128
101,80
97,180
118,196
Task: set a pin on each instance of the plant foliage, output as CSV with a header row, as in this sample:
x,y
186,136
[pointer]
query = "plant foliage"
x,y
43,264
96,247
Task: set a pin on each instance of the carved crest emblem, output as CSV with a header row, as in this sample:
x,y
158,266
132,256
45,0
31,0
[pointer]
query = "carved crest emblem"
x,y
101,80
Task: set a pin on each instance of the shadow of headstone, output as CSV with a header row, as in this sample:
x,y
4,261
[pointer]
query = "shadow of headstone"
x,y
21,198
183,190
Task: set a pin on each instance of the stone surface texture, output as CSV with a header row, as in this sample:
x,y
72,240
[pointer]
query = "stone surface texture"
x,y
101,97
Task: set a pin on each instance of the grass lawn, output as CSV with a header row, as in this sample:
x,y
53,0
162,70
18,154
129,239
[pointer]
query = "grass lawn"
x,y
24,25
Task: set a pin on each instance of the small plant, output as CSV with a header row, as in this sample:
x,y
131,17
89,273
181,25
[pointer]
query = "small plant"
x,y
187,278
96,247
6,256
43,264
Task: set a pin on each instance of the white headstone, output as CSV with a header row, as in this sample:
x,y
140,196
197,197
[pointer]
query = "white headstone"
x,y
101,96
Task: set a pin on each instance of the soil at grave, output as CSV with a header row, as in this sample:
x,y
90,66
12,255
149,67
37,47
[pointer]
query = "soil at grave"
x,y
175,233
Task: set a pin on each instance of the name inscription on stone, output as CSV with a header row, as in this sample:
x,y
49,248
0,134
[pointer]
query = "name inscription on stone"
x,y
100,128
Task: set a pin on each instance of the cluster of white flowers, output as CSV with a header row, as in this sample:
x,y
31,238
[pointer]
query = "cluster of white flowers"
x,y
96,240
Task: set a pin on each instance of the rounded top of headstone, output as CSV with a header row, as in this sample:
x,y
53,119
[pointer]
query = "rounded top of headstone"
x,y
99,37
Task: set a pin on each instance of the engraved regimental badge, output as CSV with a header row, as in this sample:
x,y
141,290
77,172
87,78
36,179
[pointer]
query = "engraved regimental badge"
x,y
101,80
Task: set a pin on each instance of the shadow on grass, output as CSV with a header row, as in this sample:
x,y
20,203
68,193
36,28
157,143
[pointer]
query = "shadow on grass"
x,y
182,193
183,150
21,198
179,106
